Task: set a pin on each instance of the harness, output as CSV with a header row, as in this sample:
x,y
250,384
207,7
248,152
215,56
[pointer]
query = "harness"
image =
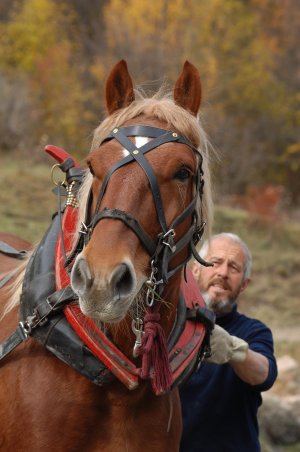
x,y
49,311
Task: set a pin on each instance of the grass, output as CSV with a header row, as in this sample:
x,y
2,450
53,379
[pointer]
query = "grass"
x,y
26,200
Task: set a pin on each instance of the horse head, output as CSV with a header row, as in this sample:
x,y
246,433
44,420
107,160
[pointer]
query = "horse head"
x,y
143,197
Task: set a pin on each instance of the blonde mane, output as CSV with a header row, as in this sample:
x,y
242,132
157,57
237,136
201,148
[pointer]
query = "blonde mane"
x,y
14,288
162,107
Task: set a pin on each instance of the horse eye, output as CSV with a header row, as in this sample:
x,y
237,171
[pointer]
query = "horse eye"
x,y
182,174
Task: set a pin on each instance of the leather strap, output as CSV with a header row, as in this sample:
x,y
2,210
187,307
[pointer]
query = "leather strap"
x,y
139,157
12,341
10,251
54,303
152,132
8,277
131,222
103,348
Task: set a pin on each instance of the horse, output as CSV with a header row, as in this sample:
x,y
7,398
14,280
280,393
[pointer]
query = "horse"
x,y
142,205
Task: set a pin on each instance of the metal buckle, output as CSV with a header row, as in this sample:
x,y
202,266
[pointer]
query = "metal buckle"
x,y
169,236
28,325
152,283
137,328
83,229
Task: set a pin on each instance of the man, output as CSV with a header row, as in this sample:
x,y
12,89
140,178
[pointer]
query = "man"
x,y
220,401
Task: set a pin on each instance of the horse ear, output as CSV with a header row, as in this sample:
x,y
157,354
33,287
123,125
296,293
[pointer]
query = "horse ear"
x,y
119,88
187,91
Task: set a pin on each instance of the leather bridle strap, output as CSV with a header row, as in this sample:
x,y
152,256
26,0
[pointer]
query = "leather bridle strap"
x,y
138,156
152,132
160,137
131,222
137,130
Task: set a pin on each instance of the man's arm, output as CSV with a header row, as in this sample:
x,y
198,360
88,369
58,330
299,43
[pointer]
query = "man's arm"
x,y
254,370
250,366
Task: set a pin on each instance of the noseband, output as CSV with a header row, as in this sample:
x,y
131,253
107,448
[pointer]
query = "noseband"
x,y
164,248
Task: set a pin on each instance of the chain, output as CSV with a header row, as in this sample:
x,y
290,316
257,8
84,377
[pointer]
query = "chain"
x,y
152,283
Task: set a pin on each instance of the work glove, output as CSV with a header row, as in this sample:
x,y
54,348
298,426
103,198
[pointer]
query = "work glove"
x,y
225,348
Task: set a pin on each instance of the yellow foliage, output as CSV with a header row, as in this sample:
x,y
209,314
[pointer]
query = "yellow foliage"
x,y
34,43
98,70
223,38
30,33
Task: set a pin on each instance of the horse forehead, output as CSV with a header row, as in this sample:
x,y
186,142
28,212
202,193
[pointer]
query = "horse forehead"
x,y
138,142
163,158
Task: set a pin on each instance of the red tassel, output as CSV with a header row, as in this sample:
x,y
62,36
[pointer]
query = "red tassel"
x,y
155,361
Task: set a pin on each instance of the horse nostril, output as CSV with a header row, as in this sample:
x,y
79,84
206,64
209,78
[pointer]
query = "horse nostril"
x,y
122,282
81,278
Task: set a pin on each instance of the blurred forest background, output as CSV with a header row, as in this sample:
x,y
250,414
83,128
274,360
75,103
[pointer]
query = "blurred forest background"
x,y
55,55
54,59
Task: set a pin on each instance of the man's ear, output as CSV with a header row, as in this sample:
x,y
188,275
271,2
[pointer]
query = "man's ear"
x,y
196,270
245,284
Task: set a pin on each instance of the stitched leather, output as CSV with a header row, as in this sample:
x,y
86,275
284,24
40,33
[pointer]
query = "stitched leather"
x,y
56,334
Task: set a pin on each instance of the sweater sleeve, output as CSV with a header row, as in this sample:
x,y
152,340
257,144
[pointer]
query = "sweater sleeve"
x,y
260,340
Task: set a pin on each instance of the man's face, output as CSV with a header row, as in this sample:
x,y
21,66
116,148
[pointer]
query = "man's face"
x,y
222,283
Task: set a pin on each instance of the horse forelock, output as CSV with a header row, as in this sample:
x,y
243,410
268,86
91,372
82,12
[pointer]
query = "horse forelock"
x,y
163,108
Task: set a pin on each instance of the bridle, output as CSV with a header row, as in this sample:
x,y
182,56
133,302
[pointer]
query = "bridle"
x,y
164,248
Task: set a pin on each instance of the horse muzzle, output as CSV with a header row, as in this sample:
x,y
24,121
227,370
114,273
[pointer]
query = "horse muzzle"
x,y
107,296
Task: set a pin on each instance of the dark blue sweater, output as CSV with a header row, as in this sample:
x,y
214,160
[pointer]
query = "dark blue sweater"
x,y
219,409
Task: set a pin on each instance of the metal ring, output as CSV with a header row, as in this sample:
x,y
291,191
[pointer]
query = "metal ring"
x,y
56,181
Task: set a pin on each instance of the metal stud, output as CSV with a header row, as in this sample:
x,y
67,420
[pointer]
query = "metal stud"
x,y
115,130
175,135
135,152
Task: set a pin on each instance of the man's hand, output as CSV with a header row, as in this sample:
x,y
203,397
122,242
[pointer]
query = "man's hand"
x,y
225,348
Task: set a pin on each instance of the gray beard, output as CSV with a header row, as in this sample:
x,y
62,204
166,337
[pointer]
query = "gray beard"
x,y
221,307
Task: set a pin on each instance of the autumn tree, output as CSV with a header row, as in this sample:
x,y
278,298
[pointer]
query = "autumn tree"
x,y
226,40
36,51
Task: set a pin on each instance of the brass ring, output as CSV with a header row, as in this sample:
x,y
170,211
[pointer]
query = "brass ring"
x,y
56,181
